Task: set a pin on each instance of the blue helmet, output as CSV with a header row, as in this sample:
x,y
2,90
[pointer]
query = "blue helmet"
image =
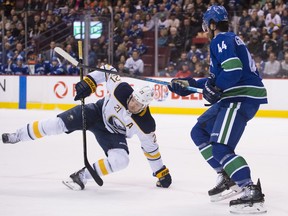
x,y
216,13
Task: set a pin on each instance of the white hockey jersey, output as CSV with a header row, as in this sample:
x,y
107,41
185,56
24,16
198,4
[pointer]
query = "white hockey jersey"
x,y
118,119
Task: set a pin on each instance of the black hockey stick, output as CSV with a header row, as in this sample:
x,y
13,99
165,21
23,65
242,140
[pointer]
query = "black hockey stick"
x,y
74,62
93,172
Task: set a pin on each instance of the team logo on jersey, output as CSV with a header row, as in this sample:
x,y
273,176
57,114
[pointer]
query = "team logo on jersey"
x,y
117,125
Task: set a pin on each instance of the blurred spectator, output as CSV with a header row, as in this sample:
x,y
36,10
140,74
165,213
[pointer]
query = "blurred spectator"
x,y
175,43
254,45
20,68
148,23
195,18
135,32
246,28
169,71
280,7
272,21
268,45
184,72
41,66
186,31
245,17
284,21
284,66
163,22
8,53
163,37
174,21
195,51
183,60
121,68
199,70
282,52
134,64
49,54
19,52
7,67
139,46
271,67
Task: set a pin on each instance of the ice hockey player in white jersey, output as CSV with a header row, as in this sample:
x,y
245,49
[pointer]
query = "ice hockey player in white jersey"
x,y
122,113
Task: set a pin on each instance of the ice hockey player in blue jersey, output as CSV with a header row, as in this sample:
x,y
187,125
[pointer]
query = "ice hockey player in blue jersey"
x,y
235,92
56,68
19,68
122,113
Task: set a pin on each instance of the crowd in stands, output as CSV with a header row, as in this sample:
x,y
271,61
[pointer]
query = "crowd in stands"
x,y
262,25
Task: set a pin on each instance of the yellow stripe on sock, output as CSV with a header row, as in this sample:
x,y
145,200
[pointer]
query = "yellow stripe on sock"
x,y
36,129
102,167
149,156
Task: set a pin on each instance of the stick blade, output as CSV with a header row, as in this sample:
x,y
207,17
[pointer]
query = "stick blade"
x,y
66,56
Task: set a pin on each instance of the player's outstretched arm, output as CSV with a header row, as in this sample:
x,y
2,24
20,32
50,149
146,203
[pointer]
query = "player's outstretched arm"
x,y
179,85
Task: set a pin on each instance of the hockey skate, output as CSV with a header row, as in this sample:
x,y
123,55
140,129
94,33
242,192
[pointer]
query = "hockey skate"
x,y
10,138
224,189
251,202
77,180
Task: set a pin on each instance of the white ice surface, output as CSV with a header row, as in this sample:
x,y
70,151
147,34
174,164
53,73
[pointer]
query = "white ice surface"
x,y
31,172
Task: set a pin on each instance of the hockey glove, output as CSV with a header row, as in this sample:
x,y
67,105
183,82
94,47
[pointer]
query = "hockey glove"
x,y
164,177
85,87
211,92
179,85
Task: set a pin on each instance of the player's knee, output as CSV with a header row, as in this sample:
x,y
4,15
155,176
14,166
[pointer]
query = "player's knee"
x,y
197,135
220,151
118,159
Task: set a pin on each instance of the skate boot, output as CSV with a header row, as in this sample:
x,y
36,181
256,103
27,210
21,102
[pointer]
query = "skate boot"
x,y
10,138
224,188
77,181
251,202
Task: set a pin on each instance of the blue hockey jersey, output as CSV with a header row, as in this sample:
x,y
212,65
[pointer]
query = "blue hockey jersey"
x,y
234,71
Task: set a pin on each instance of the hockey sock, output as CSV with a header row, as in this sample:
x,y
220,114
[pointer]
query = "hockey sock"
x,y
238,170
206,151
39,129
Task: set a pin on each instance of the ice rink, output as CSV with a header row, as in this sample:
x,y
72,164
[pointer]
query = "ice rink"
x,y
31,172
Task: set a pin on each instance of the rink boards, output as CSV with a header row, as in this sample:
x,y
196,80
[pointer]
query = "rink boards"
x,y
58,92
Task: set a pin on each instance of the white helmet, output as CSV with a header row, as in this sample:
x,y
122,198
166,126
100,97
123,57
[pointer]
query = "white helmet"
x,y
143,95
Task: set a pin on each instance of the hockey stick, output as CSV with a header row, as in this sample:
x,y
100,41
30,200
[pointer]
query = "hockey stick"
x,y
93,173
74,62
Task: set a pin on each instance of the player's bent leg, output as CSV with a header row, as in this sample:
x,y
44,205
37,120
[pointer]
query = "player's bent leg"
x,y
201,137
35,130
117,160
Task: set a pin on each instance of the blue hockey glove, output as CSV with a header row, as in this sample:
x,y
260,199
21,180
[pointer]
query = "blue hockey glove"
x,y
85,87
164,177
211,92
178,85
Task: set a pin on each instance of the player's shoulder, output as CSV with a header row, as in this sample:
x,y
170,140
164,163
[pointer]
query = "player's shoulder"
x,y
224,36
223,41
145,121
122,92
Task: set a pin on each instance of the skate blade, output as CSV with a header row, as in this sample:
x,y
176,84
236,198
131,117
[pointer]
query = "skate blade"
x,y
256,208
233,191
71,185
